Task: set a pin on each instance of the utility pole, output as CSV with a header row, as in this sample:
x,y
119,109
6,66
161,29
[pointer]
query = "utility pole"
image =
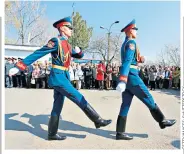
x,y
108,37
108,51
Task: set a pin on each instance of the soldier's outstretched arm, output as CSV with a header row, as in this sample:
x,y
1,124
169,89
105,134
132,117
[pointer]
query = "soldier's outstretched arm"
x,y
77,53
51,46
127,59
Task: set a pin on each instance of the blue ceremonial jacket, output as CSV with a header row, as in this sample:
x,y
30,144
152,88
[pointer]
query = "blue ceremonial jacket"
x,y
129,58
61,53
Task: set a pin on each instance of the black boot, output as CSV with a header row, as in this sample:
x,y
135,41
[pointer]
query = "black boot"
x,y
53,128
160,118
93,116
120,129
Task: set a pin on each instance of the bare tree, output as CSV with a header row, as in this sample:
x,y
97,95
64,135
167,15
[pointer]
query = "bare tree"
x,y
162,58
115,48
99,47
168,56
26,18
173,54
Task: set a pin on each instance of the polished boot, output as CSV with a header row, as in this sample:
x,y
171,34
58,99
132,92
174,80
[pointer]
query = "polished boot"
x,y
120,129
160,118
93,116
53,128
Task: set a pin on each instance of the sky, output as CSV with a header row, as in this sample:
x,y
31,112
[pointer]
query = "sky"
x,y
158,22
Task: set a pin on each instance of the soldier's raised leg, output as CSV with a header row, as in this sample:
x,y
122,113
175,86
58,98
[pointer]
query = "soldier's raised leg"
x,y
70,92
144,95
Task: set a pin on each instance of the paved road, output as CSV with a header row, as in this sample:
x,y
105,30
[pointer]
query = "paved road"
x,y
27,115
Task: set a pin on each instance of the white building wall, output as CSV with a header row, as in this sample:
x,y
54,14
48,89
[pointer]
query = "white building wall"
x,y
22,52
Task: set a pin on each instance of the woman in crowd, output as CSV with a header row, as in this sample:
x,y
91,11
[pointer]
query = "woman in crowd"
x,y
176,75
146,76
152,77
108,78
35,75
100,74
78,76
115,72
71,73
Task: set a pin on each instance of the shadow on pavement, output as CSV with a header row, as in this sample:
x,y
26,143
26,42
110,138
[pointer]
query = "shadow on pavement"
x,y
35,128
173,92
176,144
36,120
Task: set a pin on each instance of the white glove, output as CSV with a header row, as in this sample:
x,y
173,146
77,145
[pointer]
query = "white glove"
x,y
77,49
121,87
13,71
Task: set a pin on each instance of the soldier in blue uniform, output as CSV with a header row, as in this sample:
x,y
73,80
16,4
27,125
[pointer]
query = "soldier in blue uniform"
x,y
59,78
131,84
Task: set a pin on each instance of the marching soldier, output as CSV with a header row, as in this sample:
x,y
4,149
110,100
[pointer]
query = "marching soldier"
x,y
131,84
59,78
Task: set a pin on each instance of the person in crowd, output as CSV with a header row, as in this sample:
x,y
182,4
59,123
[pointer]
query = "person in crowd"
x,y
18,76
166,78
78,76
152,78
100,74
5,62
8,78
115,72
94,74
176,76
146,76
72,75
29,71
158,77
42,76
108,78
35,76
179,78
14,79
170,77
87,76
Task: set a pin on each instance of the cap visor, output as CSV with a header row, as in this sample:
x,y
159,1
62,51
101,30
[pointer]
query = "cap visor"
x,y
122,30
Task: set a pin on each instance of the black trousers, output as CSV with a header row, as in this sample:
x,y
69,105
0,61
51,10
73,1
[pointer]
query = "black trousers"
x,y
14,81
145,81
23,80
114,84
166,83
87,81
157,83
152,84
28,81
101,85
93,83
18,77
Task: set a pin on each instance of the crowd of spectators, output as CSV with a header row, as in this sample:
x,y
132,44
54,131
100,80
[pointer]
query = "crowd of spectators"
x,y
90,76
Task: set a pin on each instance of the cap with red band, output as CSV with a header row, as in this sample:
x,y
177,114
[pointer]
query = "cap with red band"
x,y
62,22
130,26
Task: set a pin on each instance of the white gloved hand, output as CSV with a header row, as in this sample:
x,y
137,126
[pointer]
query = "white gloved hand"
x,y
77,49
13,71
121,87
